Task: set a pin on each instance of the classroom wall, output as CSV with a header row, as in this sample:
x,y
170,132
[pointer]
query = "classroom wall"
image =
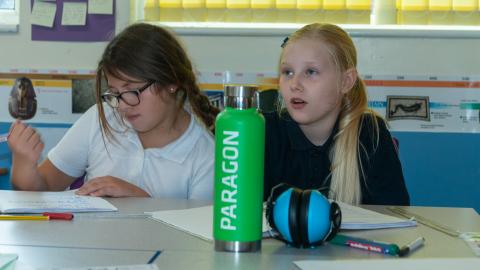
x,y
441,169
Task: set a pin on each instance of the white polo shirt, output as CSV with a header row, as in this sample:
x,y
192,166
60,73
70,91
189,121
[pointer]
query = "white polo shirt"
x,y
182,169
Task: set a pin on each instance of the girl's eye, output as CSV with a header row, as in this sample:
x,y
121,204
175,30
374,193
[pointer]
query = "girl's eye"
x,y
311,71
287,72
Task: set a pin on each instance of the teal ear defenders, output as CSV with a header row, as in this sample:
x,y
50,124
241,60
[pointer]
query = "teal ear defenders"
x,y
303,218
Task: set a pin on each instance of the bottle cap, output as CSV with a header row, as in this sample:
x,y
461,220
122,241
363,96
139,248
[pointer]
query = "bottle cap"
x,y
240,96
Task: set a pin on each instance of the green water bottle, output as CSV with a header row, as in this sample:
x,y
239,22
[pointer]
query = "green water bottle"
x,y
239,153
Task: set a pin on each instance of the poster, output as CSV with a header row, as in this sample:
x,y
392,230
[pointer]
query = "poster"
x,y
53,100
427,104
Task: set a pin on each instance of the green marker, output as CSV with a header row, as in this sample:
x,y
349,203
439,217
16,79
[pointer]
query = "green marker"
x,y
365,244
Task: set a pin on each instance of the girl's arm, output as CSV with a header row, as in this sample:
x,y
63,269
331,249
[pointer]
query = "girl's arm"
x,y
112,187
55,179
26,146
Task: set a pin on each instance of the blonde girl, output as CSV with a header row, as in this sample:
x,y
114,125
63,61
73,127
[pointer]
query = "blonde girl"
x,y
326,137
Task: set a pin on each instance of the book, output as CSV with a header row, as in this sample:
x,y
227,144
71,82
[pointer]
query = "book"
x,y
62,201
353,218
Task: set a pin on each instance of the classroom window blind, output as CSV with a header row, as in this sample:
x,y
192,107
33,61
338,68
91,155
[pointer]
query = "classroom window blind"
x,y
401,12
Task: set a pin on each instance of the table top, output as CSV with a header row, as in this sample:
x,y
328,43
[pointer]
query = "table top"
x,y
128,237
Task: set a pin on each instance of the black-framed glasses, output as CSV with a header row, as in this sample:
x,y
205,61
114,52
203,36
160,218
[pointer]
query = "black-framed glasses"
x,y
131,97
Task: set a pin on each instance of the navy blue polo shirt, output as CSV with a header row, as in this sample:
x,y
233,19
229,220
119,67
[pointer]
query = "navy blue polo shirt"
x,y
291,158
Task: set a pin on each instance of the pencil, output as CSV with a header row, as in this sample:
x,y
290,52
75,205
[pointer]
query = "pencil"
x,y
8,217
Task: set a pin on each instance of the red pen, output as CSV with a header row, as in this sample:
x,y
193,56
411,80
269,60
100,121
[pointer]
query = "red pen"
x,y
60,216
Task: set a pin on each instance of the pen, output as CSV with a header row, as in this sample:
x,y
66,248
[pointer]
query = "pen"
x,y
365,244
62,216
11,217
45,216
154,257
405,250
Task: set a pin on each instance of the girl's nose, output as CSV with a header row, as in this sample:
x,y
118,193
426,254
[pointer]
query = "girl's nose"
x,y
296,83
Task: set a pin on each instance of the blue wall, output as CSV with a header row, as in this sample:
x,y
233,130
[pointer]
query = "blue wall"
x,y
441,169
5,158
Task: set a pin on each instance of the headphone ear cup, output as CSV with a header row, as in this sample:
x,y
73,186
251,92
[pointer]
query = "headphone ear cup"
x,y
318,221
280,215
336,220
274,194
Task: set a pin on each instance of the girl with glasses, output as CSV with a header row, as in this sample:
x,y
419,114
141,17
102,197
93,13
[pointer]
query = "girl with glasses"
x,y
325,136
150,133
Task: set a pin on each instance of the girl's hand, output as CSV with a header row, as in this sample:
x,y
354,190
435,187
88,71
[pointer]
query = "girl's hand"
x,y
109,186
25,142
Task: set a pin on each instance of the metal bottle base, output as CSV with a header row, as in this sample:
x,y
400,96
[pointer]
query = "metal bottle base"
x,y
236,246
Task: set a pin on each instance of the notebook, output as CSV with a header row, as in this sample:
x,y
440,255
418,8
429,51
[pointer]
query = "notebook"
x,y
353,218
357,218
39,202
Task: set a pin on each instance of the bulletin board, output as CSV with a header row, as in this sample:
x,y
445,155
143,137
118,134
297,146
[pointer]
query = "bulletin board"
x,y
98,27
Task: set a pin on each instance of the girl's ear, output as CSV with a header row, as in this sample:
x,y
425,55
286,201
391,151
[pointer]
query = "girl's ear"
x,y
172,88
348,80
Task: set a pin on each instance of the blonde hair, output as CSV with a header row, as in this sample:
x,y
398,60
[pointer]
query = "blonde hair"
x,y
346,165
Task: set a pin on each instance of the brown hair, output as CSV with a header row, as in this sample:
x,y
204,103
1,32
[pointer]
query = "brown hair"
x,y
152,54
345,154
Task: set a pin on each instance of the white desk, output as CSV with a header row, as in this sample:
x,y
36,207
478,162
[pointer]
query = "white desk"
x,y
131,240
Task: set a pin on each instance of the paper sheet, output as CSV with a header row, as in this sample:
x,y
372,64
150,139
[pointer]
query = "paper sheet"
x,y
353,218
7,261
392,264
74,13
39,202
43,13
473,241
100,7
182,220
3,137
22,266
